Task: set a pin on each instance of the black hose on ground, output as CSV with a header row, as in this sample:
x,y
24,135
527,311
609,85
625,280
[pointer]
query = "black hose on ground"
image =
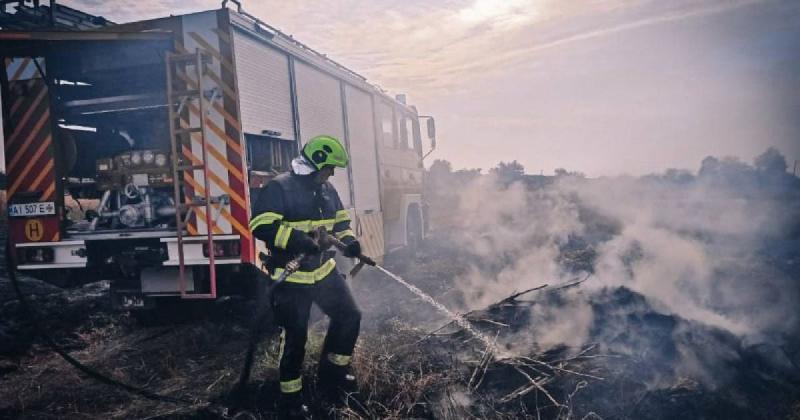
x,y
263,311
27,309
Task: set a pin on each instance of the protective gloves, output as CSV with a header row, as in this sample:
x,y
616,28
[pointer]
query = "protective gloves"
x,y
352,250
305,244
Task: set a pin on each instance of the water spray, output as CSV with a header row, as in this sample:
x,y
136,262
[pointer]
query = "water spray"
x,y
458,319
491,347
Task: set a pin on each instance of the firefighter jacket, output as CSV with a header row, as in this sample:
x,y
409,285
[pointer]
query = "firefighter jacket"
x,y
290,206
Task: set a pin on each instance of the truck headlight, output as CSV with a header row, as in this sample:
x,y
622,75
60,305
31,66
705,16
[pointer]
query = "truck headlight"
x,y
104,165
125,159
161,159
148,157
129,215
136,158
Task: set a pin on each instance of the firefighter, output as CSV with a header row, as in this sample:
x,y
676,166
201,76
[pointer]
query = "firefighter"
x,y
287,212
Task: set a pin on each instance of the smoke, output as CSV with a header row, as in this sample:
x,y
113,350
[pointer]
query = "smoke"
x,y
693,251
701,253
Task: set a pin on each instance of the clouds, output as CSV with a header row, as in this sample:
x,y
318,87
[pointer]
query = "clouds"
x,y
121,11
500,13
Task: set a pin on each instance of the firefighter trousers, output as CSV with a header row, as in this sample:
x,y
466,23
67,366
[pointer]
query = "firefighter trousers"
x,y
292,304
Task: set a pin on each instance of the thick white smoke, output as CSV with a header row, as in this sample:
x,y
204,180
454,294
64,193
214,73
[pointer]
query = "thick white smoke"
x,y
692,250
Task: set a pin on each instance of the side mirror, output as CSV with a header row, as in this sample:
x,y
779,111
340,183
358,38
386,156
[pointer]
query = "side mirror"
x,y
432,130
431,126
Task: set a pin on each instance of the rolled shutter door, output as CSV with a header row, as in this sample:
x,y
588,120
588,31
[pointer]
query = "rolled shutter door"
x,y
361,136
264,88
319,105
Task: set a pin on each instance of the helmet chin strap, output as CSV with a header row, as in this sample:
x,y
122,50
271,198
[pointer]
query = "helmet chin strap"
x,y
323,174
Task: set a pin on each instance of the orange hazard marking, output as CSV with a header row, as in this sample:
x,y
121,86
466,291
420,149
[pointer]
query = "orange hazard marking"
x,y
229,217
186,79
219,156
198,189
200,212
216,179
221,133
28,141
20,101
230,119
31,164
16,106
218,131
34,230
21,69
48,193
201,215
21,126
213,76
223,36
56,237
211,50
29,112
44,173
223,160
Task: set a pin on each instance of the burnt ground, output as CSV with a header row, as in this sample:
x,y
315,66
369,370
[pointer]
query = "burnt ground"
x,y
408,367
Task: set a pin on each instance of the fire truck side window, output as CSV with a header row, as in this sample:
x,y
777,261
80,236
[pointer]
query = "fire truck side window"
x,y
417,137
387,125
408,132
268,153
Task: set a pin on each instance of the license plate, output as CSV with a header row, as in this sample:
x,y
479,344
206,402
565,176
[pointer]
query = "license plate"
x,y
32,209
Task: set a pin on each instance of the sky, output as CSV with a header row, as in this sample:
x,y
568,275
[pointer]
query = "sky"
x,y
605,87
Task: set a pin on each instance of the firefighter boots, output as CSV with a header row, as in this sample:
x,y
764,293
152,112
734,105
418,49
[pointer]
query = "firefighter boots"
x,y
337,383
291,407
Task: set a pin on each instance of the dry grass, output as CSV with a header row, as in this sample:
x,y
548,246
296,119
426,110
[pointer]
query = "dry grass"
x,y
409,373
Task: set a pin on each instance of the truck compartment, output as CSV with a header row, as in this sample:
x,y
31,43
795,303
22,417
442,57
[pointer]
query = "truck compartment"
x,y
109,112
101,105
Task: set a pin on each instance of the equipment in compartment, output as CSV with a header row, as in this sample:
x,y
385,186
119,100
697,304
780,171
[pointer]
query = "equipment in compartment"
x,y
136,189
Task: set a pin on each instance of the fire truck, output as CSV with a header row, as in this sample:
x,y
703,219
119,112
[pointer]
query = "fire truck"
x,y
133,150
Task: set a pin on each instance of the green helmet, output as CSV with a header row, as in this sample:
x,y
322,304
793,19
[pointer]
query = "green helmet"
x,y
325,150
